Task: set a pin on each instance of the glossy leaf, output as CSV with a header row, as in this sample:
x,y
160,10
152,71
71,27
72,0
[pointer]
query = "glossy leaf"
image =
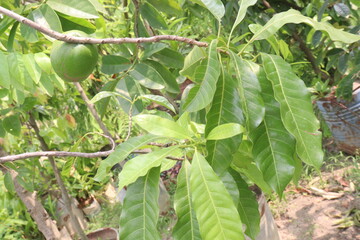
x,y
296,109
112,64
121,152
293,16
12,124
187,227
205,92
274,146
161,126
247,207
140,211
215,210
225,108
249,90
159,100
226,130
147,76
140,165
75,8
216,7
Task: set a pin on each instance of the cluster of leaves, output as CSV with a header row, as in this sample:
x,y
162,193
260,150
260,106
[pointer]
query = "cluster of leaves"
x,y
235,113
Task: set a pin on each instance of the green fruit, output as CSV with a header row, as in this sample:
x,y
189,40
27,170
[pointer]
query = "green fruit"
x,y
73,62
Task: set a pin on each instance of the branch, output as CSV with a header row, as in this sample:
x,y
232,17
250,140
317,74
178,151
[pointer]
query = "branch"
x,y
72,39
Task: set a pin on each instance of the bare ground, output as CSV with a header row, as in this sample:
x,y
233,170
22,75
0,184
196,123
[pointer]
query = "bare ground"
x,y
309,215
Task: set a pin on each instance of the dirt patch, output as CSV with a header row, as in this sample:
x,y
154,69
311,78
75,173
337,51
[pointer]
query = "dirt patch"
x,y
307,215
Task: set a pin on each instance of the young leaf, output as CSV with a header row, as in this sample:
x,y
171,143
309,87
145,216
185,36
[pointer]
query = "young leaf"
x,y
205,92
226,130
296,109
214,207
293,16
140,211
225,108
187,227
161,126
249,89
247,207
75,8
121,152
243,6
141,164
216,7
274,146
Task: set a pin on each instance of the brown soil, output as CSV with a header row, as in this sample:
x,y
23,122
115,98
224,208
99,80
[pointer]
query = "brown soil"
x,y
307,215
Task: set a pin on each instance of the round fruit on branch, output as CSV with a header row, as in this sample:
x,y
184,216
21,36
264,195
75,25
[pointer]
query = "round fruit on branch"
x,y
73,62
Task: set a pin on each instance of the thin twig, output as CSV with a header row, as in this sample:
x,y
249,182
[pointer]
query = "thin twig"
x,y
72,39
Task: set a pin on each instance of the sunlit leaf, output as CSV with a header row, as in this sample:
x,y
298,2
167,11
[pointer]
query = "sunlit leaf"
x,y
75,8
216,7
140,211
226,130
296,108
215,210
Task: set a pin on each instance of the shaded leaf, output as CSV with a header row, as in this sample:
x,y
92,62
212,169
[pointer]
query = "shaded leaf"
x,y
345,86
112,64
296,109
140,211
274,146
225,108
140,165
215,210
147,76
187,227
151,15
249,90
170,80
171,7
216,7
192,61
170,58
12,124
159,100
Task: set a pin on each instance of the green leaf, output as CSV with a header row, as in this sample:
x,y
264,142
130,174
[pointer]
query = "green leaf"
x,y
46,17
205,92
12,125
170,58
2,130
43,61
46,84
140,211
250,92
247,207
187,227
161,126
231,187
151,48
216,7
147,76
159,100
4,71
17,70
345,86
274,146
112,64
192,61
296,109
225,108
243,6
293,16
170,80
29,33
75,8
9,184
150,14
73,23
226,130
140,165
121,152
214,207
31,67
171,7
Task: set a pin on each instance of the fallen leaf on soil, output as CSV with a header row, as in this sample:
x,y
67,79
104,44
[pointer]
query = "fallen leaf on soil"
x,y
326,195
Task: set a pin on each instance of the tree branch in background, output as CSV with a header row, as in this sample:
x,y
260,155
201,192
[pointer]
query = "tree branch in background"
x,y
64,193
72,39
92,110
